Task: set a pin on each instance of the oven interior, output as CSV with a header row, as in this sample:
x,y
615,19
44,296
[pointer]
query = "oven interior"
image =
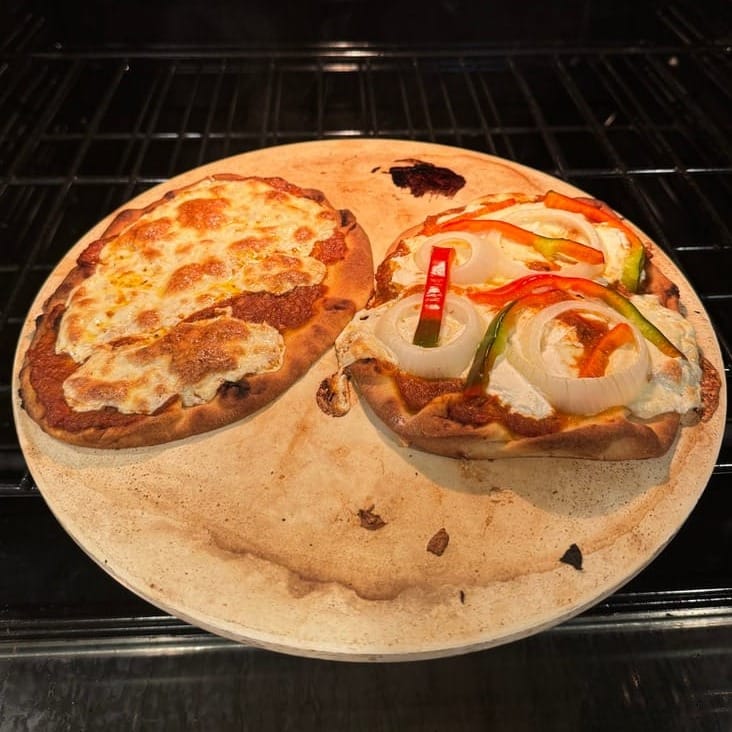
x,y
630,102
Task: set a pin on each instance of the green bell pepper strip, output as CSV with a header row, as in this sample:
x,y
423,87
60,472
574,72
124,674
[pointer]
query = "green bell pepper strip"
x,y
586,288
496,337
595,212
491,346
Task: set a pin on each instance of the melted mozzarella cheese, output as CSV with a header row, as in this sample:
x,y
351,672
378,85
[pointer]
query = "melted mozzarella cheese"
x,y
512,388
617,248
191,360
675,386
358,340
206,244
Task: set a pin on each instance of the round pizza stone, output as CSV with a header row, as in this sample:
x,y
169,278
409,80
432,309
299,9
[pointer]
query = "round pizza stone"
x,y
322,536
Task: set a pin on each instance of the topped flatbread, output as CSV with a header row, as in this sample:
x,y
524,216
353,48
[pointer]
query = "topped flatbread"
x,y
522,325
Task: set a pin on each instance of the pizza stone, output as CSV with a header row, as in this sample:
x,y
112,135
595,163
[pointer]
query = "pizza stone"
x,y
320,536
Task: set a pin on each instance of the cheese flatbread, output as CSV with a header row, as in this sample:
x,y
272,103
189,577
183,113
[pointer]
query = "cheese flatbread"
x,y
194,312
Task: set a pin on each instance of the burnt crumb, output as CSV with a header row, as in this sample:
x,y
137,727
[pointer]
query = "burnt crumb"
x,y
711,385
370,520
438,543
334,395
462,597
421,178
573,557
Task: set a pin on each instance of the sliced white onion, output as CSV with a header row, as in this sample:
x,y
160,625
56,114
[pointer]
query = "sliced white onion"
x,y
578,395
553,223
462,329
475,256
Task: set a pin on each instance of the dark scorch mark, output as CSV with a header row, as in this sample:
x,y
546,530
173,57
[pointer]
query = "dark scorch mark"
x,y
370,520
420,178
438,543
573,557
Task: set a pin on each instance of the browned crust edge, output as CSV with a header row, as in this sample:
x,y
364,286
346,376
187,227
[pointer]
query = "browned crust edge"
x,y
348,284
612,435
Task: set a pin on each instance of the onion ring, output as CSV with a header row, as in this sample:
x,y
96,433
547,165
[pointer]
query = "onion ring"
x,y
464,325
475,256
578,395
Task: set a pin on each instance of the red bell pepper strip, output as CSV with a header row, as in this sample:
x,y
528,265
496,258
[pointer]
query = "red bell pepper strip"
x,y
499,296
431,314
599,357
591,209
433,225
582,287
597,213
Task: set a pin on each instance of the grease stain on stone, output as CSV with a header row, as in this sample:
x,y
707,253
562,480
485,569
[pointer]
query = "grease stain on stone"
x,y
421,178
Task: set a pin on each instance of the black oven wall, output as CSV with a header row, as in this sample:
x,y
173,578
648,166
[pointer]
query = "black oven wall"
x,y
236,22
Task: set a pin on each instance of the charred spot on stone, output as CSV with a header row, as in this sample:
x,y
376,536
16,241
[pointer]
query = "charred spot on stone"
x,y
325,394
573,557
438,543
235,390
420,178
370,520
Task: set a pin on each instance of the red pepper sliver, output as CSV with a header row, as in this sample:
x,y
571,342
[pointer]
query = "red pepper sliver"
x,y
427,333
598,359
592,211
596,212
455,223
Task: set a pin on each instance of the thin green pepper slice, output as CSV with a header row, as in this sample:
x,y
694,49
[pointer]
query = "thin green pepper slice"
x,y
496,337
490,347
